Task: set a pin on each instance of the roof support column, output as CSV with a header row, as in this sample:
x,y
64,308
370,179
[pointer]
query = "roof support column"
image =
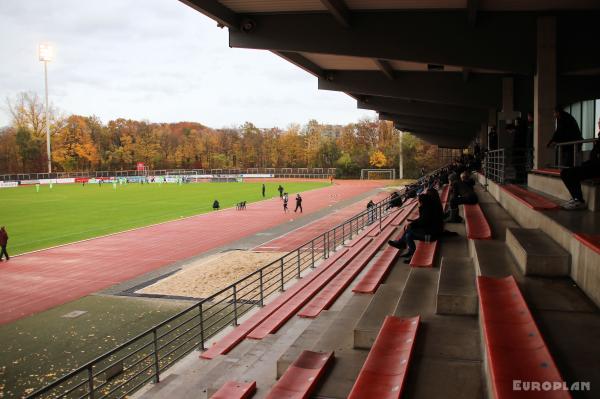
x,y
492,124
483,136
544,96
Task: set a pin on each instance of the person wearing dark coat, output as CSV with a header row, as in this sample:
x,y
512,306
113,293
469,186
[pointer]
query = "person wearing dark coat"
x,y
263,190
429,226
461,192
216,205
572,177
370,211
3,243
298,203
280,189
567,129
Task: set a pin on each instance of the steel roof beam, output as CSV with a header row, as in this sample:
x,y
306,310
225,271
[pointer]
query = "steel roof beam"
x,y
386,68
502,41
302,62
339,10
422,109
481,91
429,122
215,10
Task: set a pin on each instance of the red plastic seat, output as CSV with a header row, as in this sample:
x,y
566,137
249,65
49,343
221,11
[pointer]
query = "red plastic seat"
x,y
235,390
514,346
529,198
374,276
230,340
476,223
547,171
276,319
301,378
324,299
383,373
424,254
592,241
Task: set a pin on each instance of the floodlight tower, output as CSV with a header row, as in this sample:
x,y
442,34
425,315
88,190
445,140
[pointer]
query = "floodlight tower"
x,y
46,53
400,160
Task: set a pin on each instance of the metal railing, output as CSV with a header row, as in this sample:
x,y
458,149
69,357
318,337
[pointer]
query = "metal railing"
x,y
562,153
508,165
277,172
493,165
143,358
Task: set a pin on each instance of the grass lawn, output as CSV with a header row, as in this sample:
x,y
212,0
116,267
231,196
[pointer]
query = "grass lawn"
x,y
41,348
71,212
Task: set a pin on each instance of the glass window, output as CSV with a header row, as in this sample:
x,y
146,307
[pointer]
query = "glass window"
x,y
597,116
587,122
576,112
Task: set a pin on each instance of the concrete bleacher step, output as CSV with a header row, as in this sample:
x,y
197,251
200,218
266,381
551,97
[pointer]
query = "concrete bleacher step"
x,y
457,293
306,340
536,253
179,384
418,296
257,364
339,338
382,304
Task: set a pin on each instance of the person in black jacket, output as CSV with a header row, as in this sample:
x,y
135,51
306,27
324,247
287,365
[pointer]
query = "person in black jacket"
x,y
427,227
461,192
3,243
371,211
298,203
567,129
572,177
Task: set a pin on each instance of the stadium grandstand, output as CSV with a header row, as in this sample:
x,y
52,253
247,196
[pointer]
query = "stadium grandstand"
x,y
503,304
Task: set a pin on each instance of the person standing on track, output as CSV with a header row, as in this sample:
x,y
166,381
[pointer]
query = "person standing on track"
x,y
280,189
3,243
263,190
285,202
298,203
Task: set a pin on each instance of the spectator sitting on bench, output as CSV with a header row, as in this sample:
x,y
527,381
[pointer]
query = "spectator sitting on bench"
x,y
572,177
461,192
395,200
428,227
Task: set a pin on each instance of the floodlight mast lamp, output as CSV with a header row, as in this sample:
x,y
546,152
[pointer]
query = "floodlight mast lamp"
x,y
45,53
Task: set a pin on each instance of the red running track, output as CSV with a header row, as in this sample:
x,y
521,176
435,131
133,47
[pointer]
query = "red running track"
x,y
38,281
302,235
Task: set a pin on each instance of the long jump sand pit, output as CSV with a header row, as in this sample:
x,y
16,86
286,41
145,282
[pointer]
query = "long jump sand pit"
x,y
204,277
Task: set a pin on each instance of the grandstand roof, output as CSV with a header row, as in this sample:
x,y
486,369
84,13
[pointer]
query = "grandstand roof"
x,y
437,60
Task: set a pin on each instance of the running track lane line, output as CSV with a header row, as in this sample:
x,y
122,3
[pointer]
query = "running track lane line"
x,y
41,280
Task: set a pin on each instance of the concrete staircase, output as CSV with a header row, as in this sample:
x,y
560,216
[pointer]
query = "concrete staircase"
x,y
457,294
383,303
536,253
567,319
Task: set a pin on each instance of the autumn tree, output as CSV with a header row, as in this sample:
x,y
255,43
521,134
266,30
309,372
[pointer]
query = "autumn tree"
x,y
377,159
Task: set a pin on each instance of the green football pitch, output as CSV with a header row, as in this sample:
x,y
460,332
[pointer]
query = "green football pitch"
x,y
72,212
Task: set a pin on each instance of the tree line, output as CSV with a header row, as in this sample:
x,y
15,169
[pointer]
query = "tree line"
x,y
84,143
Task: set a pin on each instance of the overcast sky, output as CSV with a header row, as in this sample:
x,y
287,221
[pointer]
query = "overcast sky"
x,y
157,60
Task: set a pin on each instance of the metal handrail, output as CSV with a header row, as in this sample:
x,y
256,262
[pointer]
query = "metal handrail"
x,y
576,150
225,305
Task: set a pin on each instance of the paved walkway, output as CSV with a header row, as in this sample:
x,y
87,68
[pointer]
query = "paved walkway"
x,y
38,281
